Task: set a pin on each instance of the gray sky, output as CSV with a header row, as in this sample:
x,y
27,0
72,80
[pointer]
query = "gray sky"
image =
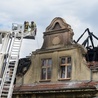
x,y
80,14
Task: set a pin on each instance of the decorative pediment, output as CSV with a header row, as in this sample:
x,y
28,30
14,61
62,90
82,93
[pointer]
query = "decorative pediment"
x,y
57,23
58,34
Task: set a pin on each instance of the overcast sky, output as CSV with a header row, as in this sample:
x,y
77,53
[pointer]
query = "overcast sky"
x,y
80,14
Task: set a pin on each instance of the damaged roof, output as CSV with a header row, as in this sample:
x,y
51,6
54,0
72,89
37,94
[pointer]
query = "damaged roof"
x,y
57,87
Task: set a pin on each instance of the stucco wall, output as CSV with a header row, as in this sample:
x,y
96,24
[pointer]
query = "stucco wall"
x,y
80,71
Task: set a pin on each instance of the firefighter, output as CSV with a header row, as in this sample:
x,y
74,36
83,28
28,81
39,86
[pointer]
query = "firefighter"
x,y
33,29
26,26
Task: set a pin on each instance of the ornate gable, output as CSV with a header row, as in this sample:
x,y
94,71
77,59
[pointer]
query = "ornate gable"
x,y
57,23
57,34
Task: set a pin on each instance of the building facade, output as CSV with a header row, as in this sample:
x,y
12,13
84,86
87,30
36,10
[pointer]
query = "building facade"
x,y
59,69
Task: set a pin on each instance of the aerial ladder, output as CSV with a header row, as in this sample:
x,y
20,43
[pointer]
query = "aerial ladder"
x,y
10,62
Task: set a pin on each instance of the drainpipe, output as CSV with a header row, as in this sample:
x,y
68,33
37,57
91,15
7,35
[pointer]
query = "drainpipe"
x,y
90,74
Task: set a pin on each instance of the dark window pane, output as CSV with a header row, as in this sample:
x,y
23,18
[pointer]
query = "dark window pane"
x,y
62,71
62,60
48,73
68,71
49,62
43,73
68,59
44,63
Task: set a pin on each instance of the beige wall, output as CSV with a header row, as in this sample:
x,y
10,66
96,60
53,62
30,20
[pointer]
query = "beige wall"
x,y
80,71
95,76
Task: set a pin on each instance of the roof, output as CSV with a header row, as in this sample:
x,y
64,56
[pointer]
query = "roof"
x,y
56,87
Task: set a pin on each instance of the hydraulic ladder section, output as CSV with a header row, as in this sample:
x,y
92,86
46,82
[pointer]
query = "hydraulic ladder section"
x,y
7,83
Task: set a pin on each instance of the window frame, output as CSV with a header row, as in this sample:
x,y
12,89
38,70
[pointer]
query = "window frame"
x,y
65,65
46,67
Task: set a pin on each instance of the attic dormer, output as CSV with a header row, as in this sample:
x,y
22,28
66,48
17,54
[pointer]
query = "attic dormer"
x,y
58,34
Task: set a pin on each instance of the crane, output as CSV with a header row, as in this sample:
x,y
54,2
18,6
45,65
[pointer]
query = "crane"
x,y
9,54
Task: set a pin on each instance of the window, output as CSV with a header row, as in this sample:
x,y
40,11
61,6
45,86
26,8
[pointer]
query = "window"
x,y
65,67
46,69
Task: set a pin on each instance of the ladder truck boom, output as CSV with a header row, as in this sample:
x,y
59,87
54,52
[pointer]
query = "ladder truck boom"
x,y
10,56
3,50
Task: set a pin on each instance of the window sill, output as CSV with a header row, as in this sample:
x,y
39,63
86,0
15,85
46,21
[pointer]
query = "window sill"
x,y
64,79
44,80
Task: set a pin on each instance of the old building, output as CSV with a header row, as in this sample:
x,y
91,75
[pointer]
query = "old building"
x,y
59,69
